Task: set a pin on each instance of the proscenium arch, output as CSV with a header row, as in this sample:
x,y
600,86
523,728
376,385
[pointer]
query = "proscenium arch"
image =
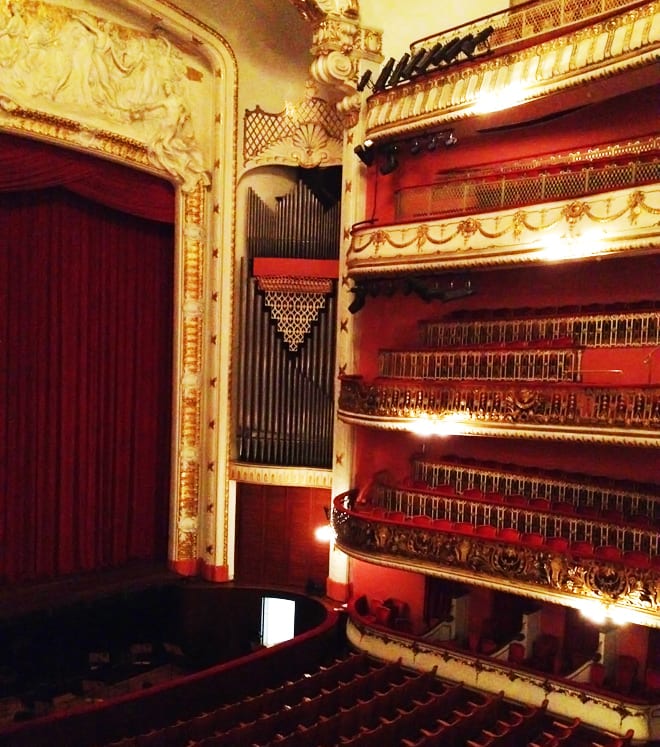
x,y
204,232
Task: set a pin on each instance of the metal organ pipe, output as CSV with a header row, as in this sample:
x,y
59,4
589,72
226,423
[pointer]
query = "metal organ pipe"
x,y
285,400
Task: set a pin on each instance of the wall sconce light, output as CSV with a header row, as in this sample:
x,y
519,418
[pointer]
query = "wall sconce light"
x,y
325,533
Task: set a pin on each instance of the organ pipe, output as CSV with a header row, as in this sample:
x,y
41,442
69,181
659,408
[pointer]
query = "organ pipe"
x,y
285,400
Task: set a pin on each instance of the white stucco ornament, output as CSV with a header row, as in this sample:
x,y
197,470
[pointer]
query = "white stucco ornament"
x,y
106,76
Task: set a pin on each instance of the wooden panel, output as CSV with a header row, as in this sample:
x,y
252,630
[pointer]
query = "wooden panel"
x,y
275,542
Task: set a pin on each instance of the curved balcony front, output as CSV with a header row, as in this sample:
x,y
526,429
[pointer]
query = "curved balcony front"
x,y
505,558
566,695
561,411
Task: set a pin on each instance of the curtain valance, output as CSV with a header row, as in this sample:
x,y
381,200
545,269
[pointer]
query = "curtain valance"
x,y
27,164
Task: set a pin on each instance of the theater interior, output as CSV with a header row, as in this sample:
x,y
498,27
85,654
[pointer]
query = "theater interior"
x,y
330,395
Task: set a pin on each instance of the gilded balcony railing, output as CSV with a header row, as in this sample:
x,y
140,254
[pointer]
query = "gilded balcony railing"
x,y
630,414
606,328
529,21
634,501
549,364
535,569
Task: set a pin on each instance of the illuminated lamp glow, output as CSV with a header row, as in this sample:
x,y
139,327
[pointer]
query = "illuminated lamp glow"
x,y
618,616
505,98
556,248
594,611
600,613
452,424
324,533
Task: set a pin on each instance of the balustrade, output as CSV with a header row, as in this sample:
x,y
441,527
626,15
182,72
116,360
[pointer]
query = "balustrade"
x,y
595,330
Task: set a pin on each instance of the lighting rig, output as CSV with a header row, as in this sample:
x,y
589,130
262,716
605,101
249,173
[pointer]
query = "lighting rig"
x,y
427,287
410,65
388,153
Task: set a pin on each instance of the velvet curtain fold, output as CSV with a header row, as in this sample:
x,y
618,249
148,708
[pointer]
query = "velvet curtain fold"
x,y
85,377
29,164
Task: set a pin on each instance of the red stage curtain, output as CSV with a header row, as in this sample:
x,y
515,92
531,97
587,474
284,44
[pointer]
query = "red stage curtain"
x,y
85,380
30,164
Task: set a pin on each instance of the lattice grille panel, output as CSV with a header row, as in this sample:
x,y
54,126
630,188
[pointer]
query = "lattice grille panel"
x,y
264,129
295,306
462,197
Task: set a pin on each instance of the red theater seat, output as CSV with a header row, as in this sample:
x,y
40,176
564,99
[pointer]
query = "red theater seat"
x,y
508,534
582,549
608,552
558,544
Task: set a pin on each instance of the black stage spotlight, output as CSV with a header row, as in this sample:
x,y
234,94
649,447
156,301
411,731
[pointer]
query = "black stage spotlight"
x,y
438,52
359,300
364,80
453,48
427,59
366,152
451,139
415,146
391,162
385,73
411,68
432,143
398,70
469,45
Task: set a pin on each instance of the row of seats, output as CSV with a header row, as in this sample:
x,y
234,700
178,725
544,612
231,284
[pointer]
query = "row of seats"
x,y
357,702
544,505
283,708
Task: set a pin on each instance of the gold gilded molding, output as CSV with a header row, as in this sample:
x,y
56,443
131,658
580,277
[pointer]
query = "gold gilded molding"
x,y
59,103
609,223
74,61
613,713
531,571
338,47
622,42
285,476
306,133
566,412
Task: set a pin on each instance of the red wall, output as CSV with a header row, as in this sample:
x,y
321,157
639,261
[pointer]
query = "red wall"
x,y
630,116
378,582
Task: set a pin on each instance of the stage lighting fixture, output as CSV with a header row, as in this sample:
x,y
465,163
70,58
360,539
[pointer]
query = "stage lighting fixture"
x,y
427,59
398,70
360,298
452,49
415,146
438,53
451,139
385,73
364,80
412,67
366,152
468,46
432,143
391,162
